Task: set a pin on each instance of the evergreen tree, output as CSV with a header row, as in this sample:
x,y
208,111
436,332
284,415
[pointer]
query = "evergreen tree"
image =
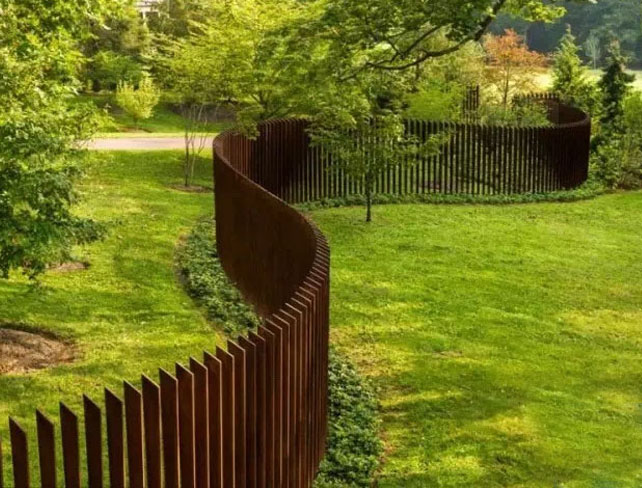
x,y
570,76
615,86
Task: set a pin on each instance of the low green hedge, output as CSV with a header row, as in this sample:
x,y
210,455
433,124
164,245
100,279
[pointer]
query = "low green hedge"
x,y
354,448
205,281
585,192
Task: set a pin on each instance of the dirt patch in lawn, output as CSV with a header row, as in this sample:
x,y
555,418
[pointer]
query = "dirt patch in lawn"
x,y
23,350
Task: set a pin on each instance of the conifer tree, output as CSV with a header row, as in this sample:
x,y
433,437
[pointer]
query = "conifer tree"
x,y
570,76
615,85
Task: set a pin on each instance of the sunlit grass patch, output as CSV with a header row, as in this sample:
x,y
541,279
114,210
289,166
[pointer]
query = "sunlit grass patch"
x,y
505,341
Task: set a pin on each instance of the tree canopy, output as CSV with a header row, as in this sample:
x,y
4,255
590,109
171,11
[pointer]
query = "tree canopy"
x,y
41,131
595,21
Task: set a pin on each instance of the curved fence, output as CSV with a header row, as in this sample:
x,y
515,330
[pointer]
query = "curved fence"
x,y
255,414
280,262
473,159
250,415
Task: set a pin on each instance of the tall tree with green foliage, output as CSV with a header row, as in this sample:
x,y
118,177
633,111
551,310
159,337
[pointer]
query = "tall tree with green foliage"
x,y
41,132
115,49
615,85
593,48
252,54
570,76
615,158
596,20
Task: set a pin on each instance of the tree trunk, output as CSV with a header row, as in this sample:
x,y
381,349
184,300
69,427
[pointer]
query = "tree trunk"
x,y
368,198
186,163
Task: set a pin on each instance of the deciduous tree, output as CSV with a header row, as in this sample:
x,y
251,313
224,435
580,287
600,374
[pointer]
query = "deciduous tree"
x,y
593,48
512,67
138,102
40,132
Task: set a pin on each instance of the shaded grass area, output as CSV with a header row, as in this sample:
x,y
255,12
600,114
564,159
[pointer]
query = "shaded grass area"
x,y
163,121
506,341
127,314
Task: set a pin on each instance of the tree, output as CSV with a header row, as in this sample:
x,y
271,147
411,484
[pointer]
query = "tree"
x,y
175,18
587,19
570,76
139,102
41,132
616,159
260,66
108,68
116,49
615,85
593,49
365,148
400,35
361,130
263,63
511,65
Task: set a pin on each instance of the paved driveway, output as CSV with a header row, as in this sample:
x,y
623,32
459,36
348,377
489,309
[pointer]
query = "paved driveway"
x,y
139,144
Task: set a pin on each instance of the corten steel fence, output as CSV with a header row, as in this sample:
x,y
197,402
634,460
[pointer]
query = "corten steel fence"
x,y
472,100
472,159
251,415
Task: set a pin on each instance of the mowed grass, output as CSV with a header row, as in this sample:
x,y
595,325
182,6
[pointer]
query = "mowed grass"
x,y
506,341
127,314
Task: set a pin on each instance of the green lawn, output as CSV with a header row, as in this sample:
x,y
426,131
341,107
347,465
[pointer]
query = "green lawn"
x,y
545,80
506,340
128,313
163,122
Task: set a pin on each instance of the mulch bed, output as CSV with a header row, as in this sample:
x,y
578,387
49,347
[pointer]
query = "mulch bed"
x,y
22,351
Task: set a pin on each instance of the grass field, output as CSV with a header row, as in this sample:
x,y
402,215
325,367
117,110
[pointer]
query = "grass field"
x,y
545,80
127,314
506,341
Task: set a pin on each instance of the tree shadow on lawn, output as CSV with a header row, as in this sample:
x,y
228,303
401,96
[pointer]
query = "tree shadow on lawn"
x,y
499,398
474,425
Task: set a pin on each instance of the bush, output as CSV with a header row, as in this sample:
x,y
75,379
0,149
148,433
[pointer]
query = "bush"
x,y
354,448
617,162
206,281
109,68
436,101
138,103
520,114
588,190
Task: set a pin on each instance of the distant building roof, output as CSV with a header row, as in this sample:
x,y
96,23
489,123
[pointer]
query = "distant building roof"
x,y
146,6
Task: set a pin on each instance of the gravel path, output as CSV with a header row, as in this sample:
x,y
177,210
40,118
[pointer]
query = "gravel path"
x,y
139,144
